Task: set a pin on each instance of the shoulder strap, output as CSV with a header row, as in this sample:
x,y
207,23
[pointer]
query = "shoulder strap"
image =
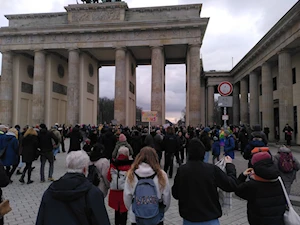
x,y
285,193
144,178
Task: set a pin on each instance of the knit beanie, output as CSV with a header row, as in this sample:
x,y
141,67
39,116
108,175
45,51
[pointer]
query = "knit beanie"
x,y
260,156
207,129
122,138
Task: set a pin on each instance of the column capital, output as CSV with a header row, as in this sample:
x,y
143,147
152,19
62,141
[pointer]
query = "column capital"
x,y
266,63
74,50
161,47
39,50
123,48
282,51
194,46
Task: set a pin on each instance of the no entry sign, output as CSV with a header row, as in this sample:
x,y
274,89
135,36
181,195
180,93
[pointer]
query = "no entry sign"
x,y
225,88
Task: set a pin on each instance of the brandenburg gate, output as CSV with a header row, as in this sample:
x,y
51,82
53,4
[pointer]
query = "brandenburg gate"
x,y
50,61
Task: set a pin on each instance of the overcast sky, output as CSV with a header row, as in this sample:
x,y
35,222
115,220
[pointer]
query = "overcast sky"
x,y
235,26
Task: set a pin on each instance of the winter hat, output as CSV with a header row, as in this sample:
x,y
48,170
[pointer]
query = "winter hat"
x,y
97,153
260,156
207,129
227,132
123,151
43,126
196,149
122,138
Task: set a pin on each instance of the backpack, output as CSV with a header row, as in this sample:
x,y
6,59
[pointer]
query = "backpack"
x,y
286,162
118,178
93,175
146,204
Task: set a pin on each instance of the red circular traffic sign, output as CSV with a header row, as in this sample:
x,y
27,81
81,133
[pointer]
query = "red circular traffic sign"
x,y
225,88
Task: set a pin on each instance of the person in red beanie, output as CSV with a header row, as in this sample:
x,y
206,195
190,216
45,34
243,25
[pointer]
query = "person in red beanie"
x,y
263,191
122,142
117,174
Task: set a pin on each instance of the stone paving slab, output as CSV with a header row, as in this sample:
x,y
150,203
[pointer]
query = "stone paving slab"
x,y
25,199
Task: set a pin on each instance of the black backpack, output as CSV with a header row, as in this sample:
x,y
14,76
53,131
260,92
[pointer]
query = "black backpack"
x,y
93,175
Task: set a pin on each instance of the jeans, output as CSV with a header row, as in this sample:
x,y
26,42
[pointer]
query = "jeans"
x,y
44,157
169,158
211,222
55,151
206,157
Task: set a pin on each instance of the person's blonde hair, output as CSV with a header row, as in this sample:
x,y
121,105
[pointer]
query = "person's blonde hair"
x,y
147,155
14,131
30,131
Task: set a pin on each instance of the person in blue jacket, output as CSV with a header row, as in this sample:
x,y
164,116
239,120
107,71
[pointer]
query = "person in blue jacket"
x,y
229,144
216,149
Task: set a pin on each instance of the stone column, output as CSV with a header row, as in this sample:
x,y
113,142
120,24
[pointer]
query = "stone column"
x,y
38,102
285,88
267,99
254,99
73,87
194,85
203,104
157,91
210,105
6,89
120,86
236,104
244,101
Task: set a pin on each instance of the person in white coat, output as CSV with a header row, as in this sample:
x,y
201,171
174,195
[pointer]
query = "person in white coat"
x,y
147,164
97,157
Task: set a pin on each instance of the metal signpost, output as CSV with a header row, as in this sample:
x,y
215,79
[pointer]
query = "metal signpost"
x,y
225,89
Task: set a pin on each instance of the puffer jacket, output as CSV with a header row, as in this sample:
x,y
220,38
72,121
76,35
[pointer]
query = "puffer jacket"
x,y
266,200
120,144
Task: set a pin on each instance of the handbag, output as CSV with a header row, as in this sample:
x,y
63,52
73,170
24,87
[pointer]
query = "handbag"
x,y
225,198
290,216
4,207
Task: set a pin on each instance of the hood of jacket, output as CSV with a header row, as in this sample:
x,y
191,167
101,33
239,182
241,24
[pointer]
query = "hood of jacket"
x,y
284,149
70,187
266,169
144,170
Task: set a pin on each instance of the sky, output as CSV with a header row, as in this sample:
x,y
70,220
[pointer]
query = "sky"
x,y
234,28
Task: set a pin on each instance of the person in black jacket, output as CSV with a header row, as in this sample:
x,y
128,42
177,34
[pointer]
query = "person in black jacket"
x,y
4,181
266,200
109,141
195,186
170,146
29,152
46,139
73,199
206,140
75,139
136,142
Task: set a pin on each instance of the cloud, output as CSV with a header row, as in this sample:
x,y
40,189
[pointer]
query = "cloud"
x,y
234,28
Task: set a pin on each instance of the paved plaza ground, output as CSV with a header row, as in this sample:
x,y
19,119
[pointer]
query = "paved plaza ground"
x,y
25,199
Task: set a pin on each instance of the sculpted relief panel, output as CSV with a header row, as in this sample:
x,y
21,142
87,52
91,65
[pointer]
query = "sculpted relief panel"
x,y
107,15
103,37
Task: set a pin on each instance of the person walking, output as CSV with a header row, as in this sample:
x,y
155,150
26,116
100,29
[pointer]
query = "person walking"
x,y
29,152
11,156
146,166
45,139
73,199
288,132
158,141
205,139
287,166
195,187
109,141
263,191
4,181
170,146
56,147
136,142
216,149
75,139
117,176
97,157
122,142
229,144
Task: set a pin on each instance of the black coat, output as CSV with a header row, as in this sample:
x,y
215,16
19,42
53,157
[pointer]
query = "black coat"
x,y
45,138
75,139
109,141
29,148
206,141
170,144
4,179
195,186
136,144
266,200
71,200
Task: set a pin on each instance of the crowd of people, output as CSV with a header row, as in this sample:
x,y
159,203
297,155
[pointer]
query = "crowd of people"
x,y
125,165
